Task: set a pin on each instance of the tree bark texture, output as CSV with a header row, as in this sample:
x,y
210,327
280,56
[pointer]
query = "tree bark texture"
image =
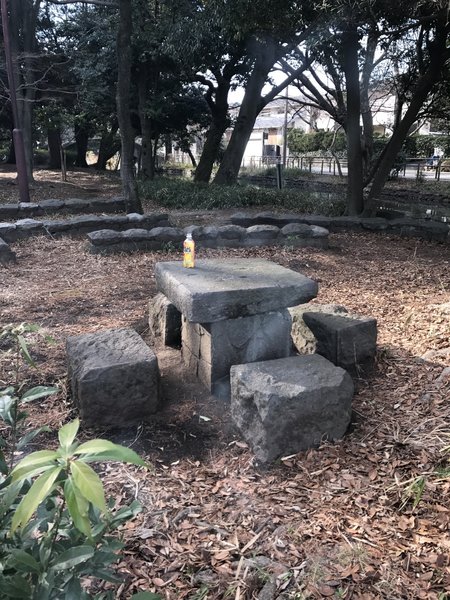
x,y
124,58
109,146
219,124
355,198
366,109
24,15
210,151
54,148
81,141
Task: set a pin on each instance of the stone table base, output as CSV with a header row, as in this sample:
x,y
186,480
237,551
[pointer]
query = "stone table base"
x,y
210,349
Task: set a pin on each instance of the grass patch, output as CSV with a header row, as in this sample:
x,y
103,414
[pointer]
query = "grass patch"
x,y
185,194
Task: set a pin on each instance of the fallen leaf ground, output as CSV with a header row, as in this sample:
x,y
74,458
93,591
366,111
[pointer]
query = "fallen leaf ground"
x,y
336,522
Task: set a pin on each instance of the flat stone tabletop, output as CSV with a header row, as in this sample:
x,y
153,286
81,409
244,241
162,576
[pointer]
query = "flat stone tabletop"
x,y
219,289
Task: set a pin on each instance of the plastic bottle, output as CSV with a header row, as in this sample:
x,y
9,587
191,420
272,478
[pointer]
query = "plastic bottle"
x,y
188,252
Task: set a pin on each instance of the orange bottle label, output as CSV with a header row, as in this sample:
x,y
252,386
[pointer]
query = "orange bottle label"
x,y
188,254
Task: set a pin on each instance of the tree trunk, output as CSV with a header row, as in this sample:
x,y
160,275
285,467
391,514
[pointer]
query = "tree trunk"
x,y
219,124
210,150
81,141
129,187
366,109
355,198
54,148
24,15
192,157
11,160
109,146
26,111
438,57
252,104
168,147
146,163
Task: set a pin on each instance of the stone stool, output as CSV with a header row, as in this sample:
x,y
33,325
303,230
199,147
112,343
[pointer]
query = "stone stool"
x,y
290,404
346,339
114,377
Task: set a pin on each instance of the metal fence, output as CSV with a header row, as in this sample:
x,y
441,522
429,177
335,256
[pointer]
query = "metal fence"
x,y
409,168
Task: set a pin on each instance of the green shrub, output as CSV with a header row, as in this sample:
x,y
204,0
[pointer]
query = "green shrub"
x,y
182,194
288,173
318,141
56,526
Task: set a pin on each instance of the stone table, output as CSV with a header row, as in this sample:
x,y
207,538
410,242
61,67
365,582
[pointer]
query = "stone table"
x,y
234,311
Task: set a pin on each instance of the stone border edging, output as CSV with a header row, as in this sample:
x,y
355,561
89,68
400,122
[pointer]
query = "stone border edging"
x,y
24,228
406,227
23,210
227,236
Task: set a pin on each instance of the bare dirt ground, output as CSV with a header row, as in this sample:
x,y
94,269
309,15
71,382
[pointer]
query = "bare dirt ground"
x,y
82,183
336,522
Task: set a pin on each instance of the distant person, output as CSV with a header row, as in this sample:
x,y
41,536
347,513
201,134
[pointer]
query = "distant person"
x,y
433,161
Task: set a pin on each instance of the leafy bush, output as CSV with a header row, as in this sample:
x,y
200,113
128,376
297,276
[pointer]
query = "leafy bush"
x,y
69,537
56,526
288,172
423,145
183,194
319,141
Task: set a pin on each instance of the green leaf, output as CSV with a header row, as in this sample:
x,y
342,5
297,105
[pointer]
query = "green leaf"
x,y
146,596
78,508
24,351
40,489
105,450
40,391
15,587
25,560
72,557
32,461
6,404
89,484
9,391
3,466
67,433
8,497
73,589
28,437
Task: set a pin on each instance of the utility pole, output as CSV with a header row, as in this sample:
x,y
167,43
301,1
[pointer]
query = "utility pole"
x,y
19,148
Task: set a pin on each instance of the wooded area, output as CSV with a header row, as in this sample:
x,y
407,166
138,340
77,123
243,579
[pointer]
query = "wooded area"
x,y
157,441
172,65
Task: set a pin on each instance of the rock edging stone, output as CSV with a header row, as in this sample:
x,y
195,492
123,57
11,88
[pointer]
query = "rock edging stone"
x,y
24,228
226,236
23,210
406,227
